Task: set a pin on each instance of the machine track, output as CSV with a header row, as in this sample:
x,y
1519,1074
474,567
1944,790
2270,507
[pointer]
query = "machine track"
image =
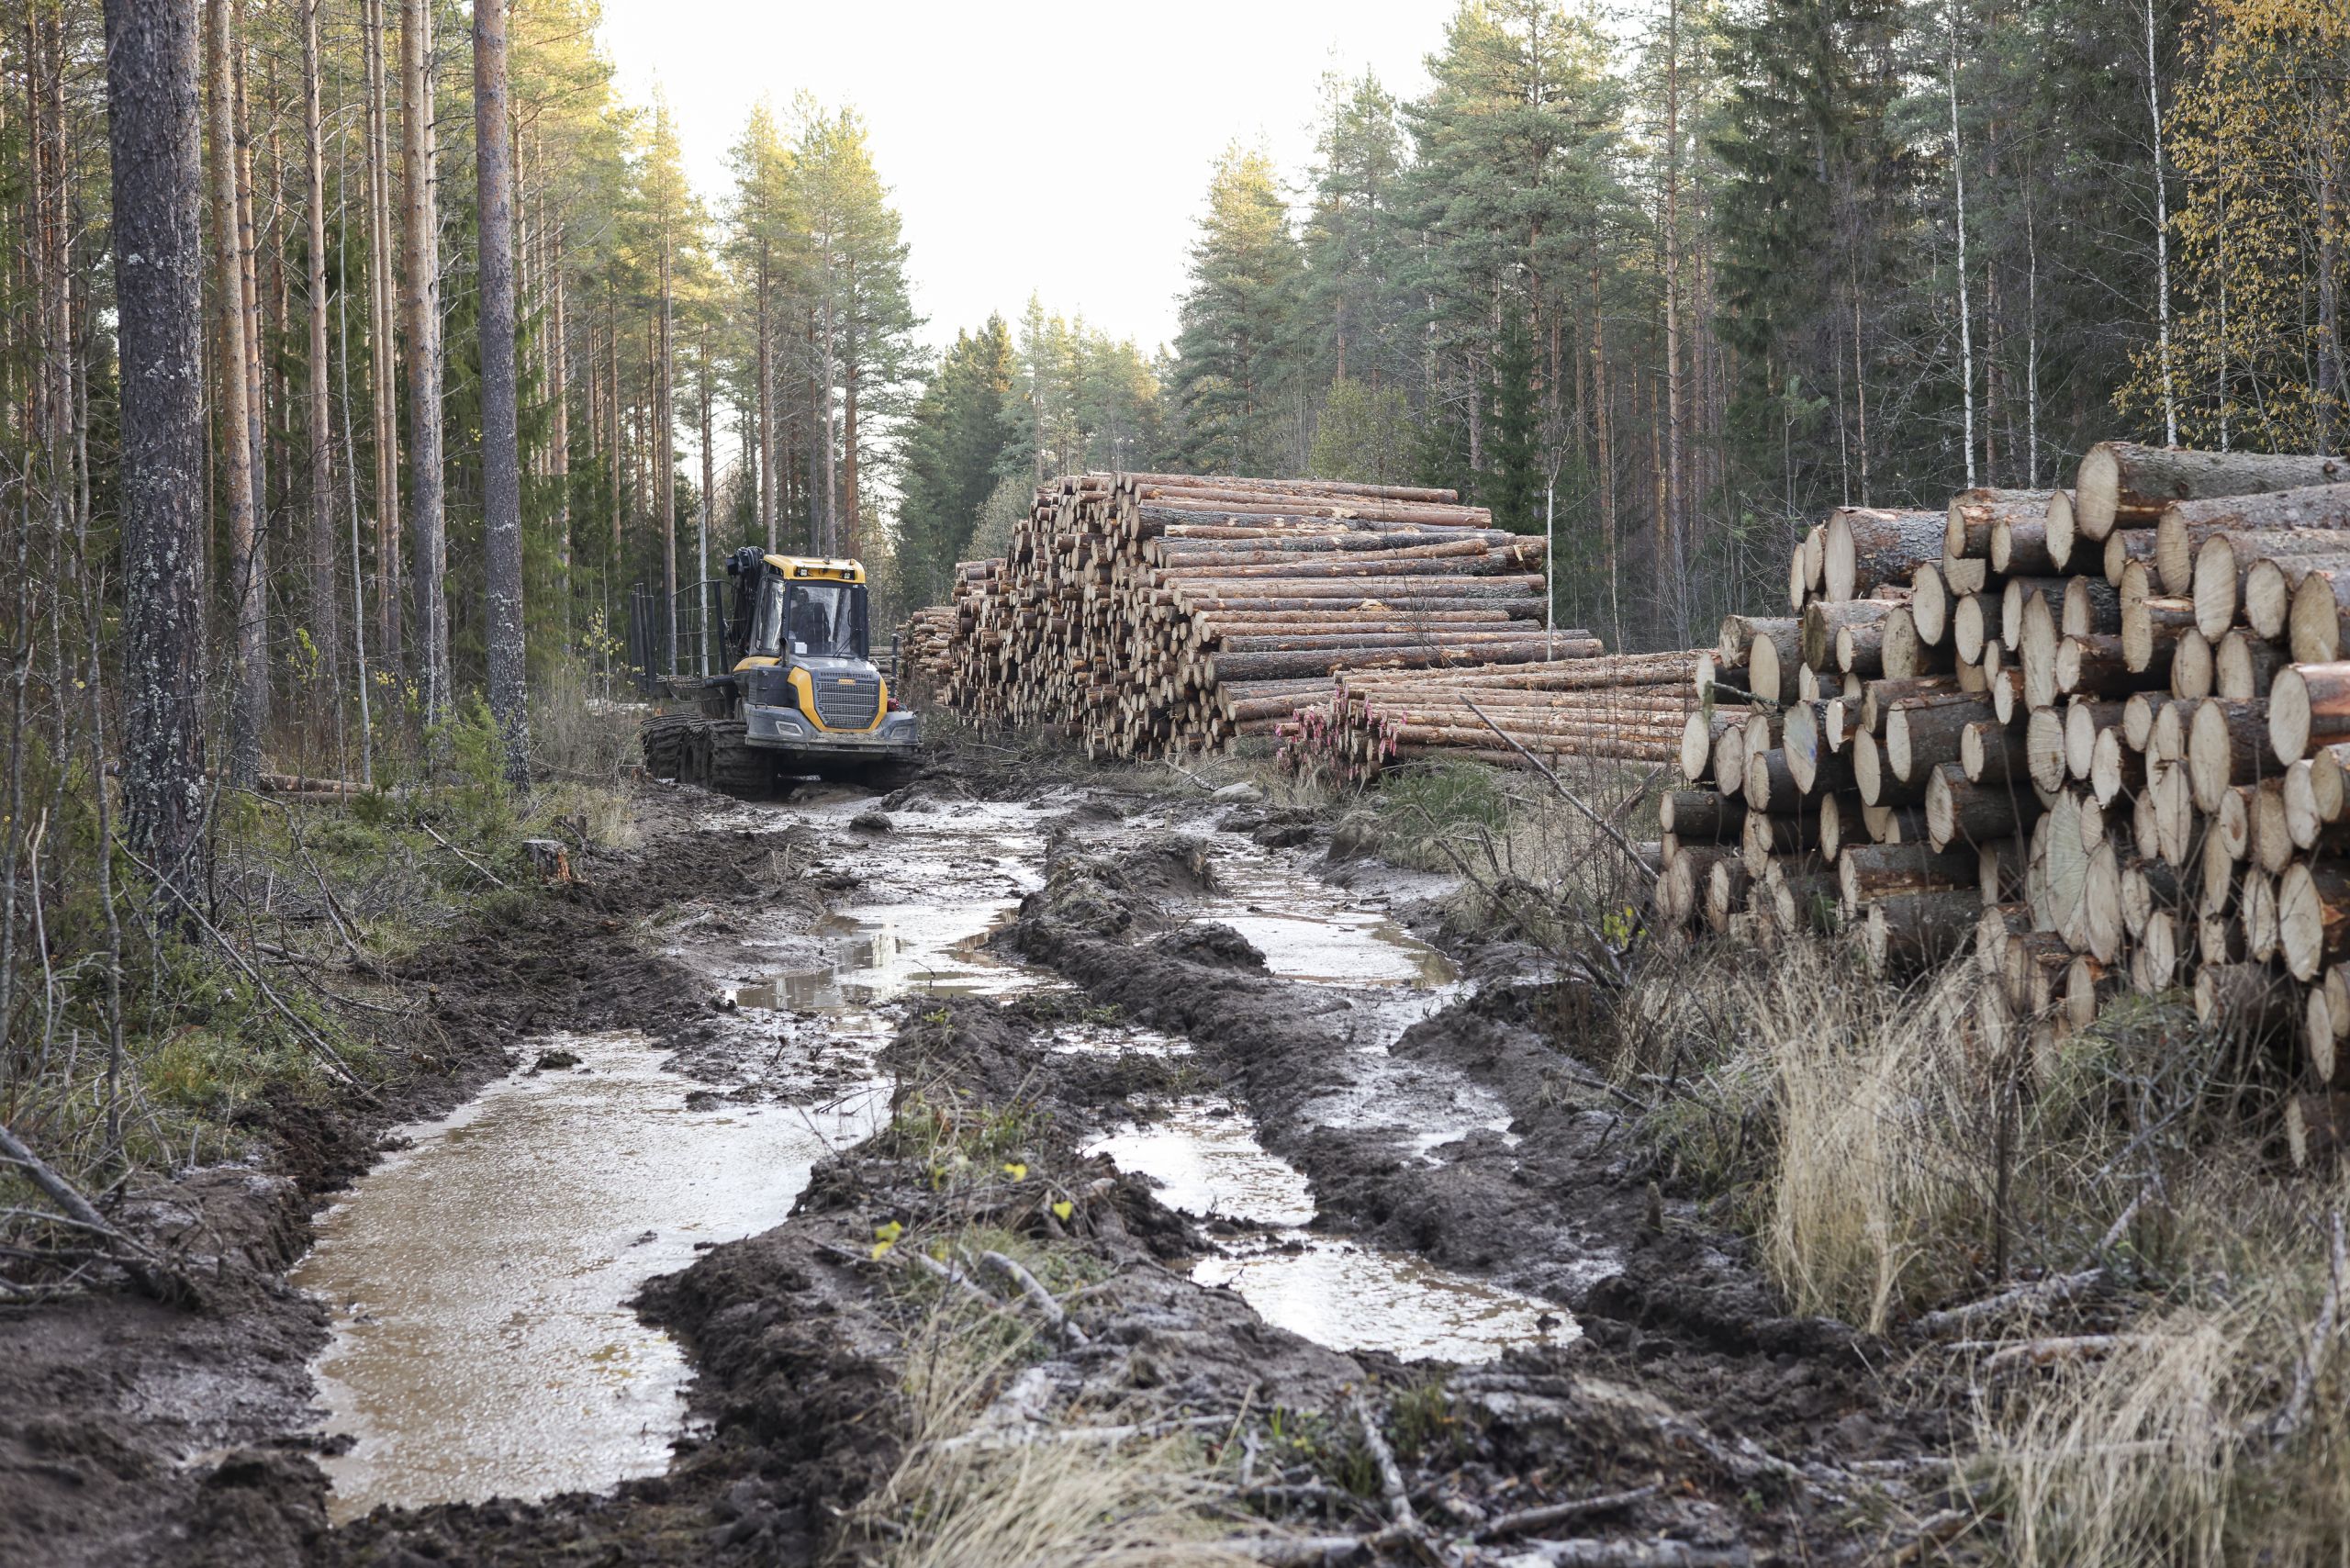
x,y
709,752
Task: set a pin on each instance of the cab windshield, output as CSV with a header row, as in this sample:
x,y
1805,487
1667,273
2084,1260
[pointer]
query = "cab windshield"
x,y
821,621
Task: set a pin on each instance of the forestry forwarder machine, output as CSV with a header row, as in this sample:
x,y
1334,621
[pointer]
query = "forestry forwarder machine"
x,y
801,694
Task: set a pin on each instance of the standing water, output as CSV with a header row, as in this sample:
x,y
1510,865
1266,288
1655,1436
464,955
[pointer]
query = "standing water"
x,y
480,1280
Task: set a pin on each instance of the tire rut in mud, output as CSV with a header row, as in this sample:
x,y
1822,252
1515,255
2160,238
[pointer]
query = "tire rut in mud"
x,y
108,1395
1569,1207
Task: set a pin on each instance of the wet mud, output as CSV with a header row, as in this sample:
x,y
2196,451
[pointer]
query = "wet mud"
x,y
1307,1143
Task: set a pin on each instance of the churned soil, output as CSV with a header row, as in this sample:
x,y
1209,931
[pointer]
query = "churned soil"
x,y
1690,1407
133,1432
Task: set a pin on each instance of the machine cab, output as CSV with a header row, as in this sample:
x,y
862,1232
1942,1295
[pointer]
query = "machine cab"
x,y
809,618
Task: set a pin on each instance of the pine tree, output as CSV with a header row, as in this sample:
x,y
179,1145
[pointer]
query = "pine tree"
x,y
962,429
1234,386
1513,483
154,133
500,414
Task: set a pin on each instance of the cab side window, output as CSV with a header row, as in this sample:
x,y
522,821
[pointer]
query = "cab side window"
x,y
767,630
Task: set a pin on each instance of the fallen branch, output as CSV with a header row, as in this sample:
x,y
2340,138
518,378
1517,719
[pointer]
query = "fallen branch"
x,y
2039,1292
152,1276
1391,1474
1028,1436
1529,1519
2005,1354
1037,1295
316,1040
2296,1410
1295,1551
1631,1554
460,853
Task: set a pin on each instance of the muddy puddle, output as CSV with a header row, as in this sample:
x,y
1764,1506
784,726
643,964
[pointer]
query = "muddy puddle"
x,y
1207,1162
478,1280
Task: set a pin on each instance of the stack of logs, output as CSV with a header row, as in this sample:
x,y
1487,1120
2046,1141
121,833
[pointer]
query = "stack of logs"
x,y
2096,733
926,638
1630,707
1152,613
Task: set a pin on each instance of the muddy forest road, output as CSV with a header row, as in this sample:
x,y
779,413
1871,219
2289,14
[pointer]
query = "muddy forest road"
x,y
644,1296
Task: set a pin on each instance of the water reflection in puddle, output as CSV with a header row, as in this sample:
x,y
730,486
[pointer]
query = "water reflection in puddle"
x,y
881,952
478,1281
1354,1298
1207,1162
1307,932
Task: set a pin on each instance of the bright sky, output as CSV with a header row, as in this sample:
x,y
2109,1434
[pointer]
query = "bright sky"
x,y
1046,145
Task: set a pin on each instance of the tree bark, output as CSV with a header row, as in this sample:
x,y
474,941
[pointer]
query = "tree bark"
x,y
154,136
426,534
382,332
501,454
2123,484
559,352
326,605
1867,549
764,328
236,418
665,450
850,540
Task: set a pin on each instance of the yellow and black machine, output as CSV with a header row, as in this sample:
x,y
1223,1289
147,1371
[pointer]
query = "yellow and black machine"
x,y
800,694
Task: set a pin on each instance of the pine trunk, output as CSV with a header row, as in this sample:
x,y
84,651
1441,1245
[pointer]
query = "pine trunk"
x,y
501,456
426,534
326,605
383,340
236,416
154,136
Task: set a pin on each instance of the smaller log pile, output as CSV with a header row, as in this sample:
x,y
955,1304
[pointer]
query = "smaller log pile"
x,y
2101,736
1150,612
926,639
1627,707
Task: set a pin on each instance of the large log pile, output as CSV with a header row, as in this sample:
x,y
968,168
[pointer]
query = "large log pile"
x,y
2100,735
1150,612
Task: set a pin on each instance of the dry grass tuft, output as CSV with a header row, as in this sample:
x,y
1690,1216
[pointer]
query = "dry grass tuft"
x,y
2216,1431
1880,1113
966,1494
2125,1460
1838,1111
1891,1153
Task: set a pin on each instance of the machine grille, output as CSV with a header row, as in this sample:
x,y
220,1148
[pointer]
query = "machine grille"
x,y
848,701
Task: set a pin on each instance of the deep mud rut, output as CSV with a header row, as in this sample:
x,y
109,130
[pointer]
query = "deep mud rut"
x,y
615,1300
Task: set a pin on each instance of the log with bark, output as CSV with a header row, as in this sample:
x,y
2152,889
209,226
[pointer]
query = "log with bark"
x,y
2124,483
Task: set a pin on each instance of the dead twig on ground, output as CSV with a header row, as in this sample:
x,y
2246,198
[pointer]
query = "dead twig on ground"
x,y
2039,1292
1391,1474
494,879
316,1041
2295,1411
1525,1520
151,1274
1038,1296
1632,1554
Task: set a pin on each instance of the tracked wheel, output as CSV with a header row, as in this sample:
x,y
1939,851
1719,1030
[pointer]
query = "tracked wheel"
x,y
668,739
729,764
